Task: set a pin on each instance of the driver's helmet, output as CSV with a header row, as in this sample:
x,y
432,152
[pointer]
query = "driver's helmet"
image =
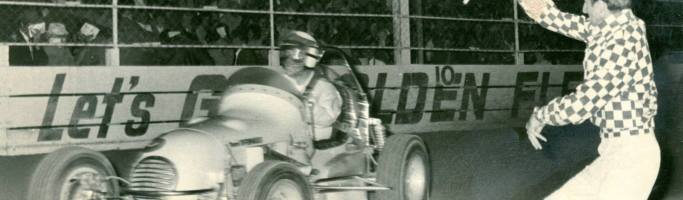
x,y
300,45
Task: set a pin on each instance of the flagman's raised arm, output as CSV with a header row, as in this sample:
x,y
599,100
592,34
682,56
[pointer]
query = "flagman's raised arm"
x,y
545,13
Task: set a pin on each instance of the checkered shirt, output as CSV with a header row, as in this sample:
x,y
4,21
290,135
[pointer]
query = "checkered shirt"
x,y
618,92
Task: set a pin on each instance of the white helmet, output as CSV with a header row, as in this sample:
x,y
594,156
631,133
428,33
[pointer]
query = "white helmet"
x,y
300,45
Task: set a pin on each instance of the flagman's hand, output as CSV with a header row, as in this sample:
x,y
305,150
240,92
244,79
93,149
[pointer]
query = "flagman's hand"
x,y
534,8
533,129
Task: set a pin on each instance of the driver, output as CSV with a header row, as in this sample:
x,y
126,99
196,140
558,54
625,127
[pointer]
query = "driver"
x,y
299,56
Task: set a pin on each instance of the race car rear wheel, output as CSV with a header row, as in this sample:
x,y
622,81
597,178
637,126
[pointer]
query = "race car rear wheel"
x,y
73,173
404,167
275,180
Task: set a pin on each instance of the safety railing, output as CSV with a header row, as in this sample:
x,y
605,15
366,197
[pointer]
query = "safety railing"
x,y
393,31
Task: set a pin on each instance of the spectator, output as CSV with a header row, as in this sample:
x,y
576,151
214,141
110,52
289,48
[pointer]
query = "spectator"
x,y
284,26
58,55
299,23
220,36
314,27
429,55
31,28
540,59
133,29
184,33
201,28
90,56
231,20
252,37
378,6
288,5
340,32
379,58
506,35
379,35
314,6
477,38
337,6
370,57
159,24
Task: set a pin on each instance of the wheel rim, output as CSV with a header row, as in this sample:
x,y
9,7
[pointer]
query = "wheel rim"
x,y
285,189
415,178
83,183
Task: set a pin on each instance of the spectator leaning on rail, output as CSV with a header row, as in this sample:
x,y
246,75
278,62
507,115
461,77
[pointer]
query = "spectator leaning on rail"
x,y
618,94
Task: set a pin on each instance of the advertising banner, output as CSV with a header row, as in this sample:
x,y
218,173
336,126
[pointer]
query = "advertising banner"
x,y
421,98
106,108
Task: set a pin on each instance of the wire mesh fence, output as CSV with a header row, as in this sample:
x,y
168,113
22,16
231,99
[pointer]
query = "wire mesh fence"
x,y
243,32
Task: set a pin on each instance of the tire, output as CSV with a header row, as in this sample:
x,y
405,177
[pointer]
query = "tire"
x,y
404,167
271,177
54,178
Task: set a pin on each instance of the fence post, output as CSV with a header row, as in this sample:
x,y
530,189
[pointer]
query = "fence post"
x,y
401,21
272,53
112,55
519,57
419,31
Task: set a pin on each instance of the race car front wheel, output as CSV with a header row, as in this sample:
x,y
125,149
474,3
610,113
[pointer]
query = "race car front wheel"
x,y
275,180
404,167
73,173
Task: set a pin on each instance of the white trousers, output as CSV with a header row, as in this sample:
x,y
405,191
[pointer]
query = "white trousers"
x,y
626,168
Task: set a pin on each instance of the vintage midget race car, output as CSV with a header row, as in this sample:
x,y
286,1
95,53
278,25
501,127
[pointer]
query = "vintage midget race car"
x,y
261,146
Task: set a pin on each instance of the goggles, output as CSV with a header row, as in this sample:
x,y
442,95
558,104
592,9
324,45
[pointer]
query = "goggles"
x,y
300,52
309,55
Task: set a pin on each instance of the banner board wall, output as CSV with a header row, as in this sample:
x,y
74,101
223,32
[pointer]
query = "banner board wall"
x,y
106,108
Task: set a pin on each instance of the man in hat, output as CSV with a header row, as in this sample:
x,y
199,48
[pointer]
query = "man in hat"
x,y
31,29
58,55
618,94
299,56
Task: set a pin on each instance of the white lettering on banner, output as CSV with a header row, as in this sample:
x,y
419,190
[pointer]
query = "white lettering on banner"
x,y
134,104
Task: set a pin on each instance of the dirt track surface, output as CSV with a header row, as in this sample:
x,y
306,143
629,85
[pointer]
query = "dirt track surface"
x,y
502,164
478,165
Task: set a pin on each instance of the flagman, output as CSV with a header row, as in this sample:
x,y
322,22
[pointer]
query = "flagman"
x,y
618,94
